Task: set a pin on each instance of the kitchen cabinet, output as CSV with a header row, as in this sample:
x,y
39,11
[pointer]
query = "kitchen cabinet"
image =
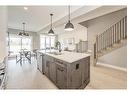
x,y
82,46
50,68
66,75
52,71
86,70
61,76
80,71
46,65
76,74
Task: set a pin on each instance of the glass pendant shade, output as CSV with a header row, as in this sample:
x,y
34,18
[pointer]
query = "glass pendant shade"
x,y
69,26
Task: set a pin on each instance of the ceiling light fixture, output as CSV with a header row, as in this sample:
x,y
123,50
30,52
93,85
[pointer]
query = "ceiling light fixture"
x,y
23,33
51,32
25,8
69,26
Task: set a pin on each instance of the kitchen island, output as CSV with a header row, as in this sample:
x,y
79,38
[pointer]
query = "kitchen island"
x,y
67,70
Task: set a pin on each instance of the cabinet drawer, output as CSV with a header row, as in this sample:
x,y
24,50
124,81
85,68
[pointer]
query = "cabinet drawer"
x,y
60,62
61,67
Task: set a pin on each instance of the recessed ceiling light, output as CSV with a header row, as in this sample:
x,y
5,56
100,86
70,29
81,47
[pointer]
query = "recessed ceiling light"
x,y
25,8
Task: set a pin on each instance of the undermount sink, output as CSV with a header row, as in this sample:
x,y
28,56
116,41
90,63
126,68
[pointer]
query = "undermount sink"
x,y
55,53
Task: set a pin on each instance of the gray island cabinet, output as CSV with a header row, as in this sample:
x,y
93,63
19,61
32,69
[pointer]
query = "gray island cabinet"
x,y
65,72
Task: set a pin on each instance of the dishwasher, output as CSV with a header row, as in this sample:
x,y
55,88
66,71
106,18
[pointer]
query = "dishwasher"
x,y
39,62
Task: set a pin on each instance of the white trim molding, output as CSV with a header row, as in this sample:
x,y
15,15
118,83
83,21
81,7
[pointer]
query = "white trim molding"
x,y
113,67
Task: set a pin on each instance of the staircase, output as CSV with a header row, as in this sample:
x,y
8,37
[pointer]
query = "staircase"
x,y
111,39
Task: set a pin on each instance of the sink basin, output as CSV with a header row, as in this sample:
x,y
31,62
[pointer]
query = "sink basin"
x,y
55,53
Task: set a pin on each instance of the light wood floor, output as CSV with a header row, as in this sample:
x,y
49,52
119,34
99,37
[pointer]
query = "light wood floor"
x,y
28,77
107,78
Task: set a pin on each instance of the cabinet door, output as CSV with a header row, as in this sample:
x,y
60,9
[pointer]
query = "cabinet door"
x,y
40,63
46,65
47,68
76,75
52,71
61,76
85,69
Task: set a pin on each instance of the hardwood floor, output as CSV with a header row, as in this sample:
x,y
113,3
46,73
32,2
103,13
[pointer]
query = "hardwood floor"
x,y
28,77
107,78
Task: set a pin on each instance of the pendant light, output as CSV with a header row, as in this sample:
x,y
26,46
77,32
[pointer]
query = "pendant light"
x,y
23,33
69,26
51,32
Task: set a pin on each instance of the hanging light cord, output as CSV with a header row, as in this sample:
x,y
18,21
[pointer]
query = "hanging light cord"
x,y
23,27
69,12
51,20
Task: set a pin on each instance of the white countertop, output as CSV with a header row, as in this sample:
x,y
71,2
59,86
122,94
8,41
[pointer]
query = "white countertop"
x,y
68,56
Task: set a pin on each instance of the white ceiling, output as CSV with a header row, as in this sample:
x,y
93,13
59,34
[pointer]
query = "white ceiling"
x,y
36,17
82,14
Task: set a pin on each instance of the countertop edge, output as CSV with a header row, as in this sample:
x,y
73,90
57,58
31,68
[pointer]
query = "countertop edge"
x,y
56,56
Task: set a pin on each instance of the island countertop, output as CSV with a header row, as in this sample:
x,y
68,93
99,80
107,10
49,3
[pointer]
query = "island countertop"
x,y
66,56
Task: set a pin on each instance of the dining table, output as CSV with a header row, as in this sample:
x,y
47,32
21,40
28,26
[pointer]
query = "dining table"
x,y
23,54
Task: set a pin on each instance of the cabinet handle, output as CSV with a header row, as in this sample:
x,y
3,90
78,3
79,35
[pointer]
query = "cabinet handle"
x,y
62,65
59,62
77,66
60,70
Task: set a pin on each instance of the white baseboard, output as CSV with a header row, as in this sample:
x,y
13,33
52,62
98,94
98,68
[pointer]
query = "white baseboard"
x,y
113,67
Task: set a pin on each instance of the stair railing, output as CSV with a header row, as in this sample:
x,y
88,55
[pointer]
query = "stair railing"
x,y
111,36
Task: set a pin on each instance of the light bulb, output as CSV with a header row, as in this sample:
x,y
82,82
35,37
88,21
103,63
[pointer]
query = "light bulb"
x,y
25,8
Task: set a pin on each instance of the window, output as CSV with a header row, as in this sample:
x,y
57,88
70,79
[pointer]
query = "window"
x,y
52,41
15,44
47,42
42,42
26,43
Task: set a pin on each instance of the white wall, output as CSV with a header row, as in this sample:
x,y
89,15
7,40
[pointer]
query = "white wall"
x,y
3,34
79,33
100,24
